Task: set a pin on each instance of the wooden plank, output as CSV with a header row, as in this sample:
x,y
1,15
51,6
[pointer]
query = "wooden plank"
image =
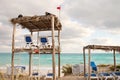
x,y
49,50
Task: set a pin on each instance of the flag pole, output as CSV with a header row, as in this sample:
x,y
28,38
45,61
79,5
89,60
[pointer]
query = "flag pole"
x,y
59,14
59,8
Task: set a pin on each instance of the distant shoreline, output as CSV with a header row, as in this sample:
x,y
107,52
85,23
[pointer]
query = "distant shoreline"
x,y
66,58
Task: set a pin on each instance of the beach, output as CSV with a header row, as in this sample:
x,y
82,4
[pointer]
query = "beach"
x,y
44,70
45,62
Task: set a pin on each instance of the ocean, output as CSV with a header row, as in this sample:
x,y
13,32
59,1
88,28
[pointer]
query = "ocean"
x,y
66,58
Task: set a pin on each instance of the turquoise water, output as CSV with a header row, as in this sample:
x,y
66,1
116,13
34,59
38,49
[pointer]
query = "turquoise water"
x,y
66,58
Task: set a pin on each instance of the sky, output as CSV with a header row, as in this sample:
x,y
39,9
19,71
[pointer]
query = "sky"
x,y
84,22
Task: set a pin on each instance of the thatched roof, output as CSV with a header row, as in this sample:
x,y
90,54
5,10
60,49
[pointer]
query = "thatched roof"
x,y
38,23
102,47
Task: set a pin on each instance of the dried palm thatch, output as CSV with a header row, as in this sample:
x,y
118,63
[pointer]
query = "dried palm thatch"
x,y
38,23
101,47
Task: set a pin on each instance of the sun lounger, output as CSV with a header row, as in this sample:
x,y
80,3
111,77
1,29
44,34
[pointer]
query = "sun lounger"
x,y
49,76
37,76
92,76
116,74
106,76
93,66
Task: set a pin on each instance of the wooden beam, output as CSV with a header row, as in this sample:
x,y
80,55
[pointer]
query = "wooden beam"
x,y
53,51
114,60
102,47
59,54
13,47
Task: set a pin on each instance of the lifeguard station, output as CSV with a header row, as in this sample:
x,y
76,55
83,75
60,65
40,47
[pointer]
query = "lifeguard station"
x,y
47,22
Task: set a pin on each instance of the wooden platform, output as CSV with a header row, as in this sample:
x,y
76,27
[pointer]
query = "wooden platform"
x,y
41,50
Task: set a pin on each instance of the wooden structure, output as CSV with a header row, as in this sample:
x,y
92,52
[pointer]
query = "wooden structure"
x,y
98,47
47,22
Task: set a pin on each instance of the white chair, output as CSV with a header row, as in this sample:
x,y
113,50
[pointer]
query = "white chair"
x,y
43,41
17,70
29,42
77,69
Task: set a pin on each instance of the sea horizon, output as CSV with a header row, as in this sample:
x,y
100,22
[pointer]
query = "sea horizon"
x,y
66,58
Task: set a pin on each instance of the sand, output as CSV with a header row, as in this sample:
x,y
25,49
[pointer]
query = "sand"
x,y
44,71
72,78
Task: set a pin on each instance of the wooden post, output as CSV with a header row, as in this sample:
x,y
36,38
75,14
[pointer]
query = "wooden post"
x,y
59,53
37,38
84,61
13,46
114,60
30,65
89,57
53,49
30,62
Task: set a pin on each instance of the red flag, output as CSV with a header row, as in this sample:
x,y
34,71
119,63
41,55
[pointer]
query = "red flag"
x,y
58,7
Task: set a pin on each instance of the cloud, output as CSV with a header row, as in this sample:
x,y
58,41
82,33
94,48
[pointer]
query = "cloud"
x,y
5,38
73,29
103,41
72,45
80,19
102,14
5,31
